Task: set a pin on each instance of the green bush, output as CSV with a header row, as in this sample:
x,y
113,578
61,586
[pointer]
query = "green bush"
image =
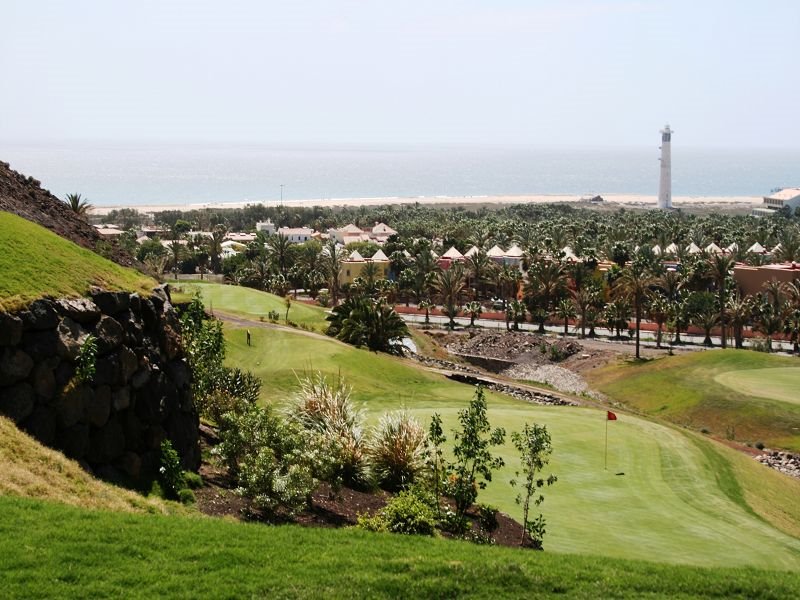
x,y
86,362
193,480
487,517
186,496
406,513
170,472
397,451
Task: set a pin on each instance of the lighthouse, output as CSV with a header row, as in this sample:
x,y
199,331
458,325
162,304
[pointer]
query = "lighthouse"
x,y
665,183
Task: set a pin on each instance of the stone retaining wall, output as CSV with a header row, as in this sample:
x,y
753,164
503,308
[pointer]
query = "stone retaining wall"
x,y
140,393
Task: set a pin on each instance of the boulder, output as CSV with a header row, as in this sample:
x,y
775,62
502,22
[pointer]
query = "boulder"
x,y
40,344
109,335
183,430
128,363
10,329
132,427
110,303
136,303
42,425
149,314
41,315
71,337
98,407
74,441
16,402
120,399
131,465
15,365
43,379
107,370
80,310
71,406
106,444
140,378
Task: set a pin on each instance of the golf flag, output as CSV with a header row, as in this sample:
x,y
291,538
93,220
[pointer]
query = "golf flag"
x,y
611,416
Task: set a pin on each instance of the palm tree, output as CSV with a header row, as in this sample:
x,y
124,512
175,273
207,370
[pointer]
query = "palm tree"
x,y
479,266
565,310
280,250
721,267
546,285
516,313
426,305
78,205
449,284
634,284
332,265
659,309
474,310
215,247
365,322
769,321
792,328
738,310
584,299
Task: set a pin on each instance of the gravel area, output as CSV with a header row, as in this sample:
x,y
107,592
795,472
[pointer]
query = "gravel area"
x,y
560,378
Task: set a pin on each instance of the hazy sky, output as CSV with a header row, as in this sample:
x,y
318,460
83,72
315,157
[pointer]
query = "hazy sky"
x,y
496,71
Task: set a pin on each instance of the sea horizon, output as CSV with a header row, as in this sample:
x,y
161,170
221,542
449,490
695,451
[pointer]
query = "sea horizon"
x,y
191,173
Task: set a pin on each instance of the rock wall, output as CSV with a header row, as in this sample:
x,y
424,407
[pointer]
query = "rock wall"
x,y
140,393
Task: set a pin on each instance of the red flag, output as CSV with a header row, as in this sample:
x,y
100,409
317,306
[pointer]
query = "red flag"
x,y
611,416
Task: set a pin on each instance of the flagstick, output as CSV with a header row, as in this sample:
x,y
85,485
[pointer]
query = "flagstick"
x,y
605,463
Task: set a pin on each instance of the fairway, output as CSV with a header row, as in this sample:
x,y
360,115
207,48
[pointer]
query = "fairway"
x,y
777,384
681,498
245,301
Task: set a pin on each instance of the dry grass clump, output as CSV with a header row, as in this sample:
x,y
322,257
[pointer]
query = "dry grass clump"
x,y
325,410
30,470
397,452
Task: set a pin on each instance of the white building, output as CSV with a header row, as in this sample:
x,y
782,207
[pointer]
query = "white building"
x,y
775,202
296,235
267,227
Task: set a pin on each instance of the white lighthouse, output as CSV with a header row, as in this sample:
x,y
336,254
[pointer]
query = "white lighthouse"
x,y
665,183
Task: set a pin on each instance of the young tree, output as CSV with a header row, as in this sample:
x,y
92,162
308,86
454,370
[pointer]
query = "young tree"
x,y
474,310
565,310
473,457
534,447
450,285
78,205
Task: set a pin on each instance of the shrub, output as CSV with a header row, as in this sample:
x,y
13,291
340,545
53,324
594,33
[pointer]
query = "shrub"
x,y
186,496
193,480
406,513
487,517
335,427
87,360
397,452
170,472
324,299
273,315
760,445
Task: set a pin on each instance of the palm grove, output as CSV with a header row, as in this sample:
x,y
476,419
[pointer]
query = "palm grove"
x,y
610,275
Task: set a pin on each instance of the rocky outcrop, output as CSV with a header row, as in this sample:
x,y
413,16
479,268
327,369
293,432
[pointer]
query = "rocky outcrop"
x,y
140,393
786,463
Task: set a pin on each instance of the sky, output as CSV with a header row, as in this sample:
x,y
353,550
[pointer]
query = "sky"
x,y
602,73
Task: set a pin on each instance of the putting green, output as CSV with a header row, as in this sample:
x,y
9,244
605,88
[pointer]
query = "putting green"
x,y
679,500
781,383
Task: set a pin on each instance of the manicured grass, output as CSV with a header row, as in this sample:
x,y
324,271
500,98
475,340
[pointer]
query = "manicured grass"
x,y
682,498
35,262
244,301
687,390
51,550
780,383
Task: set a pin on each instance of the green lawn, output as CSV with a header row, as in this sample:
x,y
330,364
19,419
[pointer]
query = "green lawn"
x,y
35,262
778,383
687,390
51,550
244,301
682,498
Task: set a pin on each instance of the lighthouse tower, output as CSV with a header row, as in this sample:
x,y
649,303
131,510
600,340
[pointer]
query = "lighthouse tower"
x,y
665,183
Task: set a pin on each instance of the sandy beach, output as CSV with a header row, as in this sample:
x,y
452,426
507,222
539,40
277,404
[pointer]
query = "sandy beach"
x,y
631,200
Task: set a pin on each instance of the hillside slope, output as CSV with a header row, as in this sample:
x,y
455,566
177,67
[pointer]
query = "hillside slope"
x,y
29,470
24,196
36,262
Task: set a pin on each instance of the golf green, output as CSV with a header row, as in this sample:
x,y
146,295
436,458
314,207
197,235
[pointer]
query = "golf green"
x,y
781,383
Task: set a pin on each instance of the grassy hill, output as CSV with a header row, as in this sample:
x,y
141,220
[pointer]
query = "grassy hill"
x,y
682,498
747,396
29,470
51,550
35,262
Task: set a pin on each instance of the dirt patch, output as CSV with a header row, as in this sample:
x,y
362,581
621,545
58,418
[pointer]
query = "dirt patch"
x,y
515,346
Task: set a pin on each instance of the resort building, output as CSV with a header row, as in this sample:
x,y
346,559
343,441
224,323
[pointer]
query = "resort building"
x,y
296,235
350,233
356,266
268,227
787,198
751,280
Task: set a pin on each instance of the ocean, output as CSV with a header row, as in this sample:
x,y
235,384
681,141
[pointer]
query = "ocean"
x,y
111,174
